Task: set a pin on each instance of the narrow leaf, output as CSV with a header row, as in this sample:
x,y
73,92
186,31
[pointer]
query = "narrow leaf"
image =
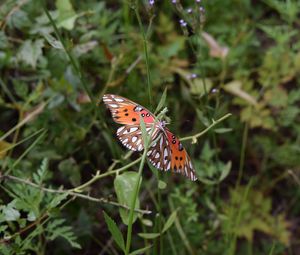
x,y
161,102
114,230
144,131
222,130
140,251
225,171
149,235
170,221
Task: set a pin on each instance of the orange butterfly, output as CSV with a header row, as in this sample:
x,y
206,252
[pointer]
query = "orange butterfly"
x,y
167,153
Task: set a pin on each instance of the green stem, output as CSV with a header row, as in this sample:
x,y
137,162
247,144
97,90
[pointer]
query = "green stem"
x,y
135,194
215,122
99,176
72,60
243,153
145,51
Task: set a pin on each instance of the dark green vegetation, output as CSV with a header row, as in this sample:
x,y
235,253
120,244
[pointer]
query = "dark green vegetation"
x,y
62,165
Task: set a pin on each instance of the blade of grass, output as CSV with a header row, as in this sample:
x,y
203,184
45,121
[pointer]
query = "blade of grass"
x,y
27,150
22,141
243,154
72,60
137,14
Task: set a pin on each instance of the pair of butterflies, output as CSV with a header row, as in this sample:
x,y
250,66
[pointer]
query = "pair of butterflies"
x,y
165,152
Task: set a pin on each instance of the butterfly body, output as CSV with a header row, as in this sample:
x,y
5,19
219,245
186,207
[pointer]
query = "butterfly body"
x,y
166,152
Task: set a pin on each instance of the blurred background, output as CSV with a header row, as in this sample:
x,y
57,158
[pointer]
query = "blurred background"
x,y
213,57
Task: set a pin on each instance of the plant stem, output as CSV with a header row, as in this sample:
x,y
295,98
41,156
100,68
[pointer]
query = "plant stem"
x,y
99,176
135,7
72,60
215,122
243,153
70,193
135,194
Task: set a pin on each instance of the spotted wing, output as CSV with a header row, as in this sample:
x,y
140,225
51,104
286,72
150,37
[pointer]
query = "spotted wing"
x,y
180,160
159,153
127,112
131,136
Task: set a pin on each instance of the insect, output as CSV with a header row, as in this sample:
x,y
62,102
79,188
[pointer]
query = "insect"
x,y
165,152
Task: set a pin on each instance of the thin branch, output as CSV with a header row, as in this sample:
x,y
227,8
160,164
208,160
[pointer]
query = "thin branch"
x,y
215,122
100,176
71,193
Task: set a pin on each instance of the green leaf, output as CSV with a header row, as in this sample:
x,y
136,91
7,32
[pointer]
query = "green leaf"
x,y
161,101
124,186
53,41
30,52
57,228
10,213
144,131
147,222
170,221
161,184
222,130
140,251
66,14
225,171
57,200
114,230
3,40
149,235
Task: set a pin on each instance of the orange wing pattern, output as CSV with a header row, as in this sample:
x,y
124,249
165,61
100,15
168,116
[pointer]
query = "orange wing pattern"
x,y
180,160
125,111
166,151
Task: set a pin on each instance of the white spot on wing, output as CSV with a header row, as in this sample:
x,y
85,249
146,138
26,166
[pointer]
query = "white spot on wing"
x,y
119,99
133,129
169,165
121,129
157,155
165,152
113,105
185,170
161,142
133,139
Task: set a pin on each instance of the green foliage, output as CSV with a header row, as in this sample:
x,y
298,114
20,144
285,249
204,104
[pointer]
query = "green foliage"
x,y
114,230
238,57
255,215
124,186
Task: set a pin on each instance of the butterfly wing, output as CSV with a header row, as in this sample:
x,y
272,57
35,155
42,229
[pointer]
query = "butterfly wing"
x,y
126,112
131,136
165,153
159,153
180,160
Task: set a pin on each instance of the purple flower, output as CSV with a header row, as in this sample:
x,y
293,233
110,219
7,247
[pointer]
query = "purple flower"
x,y
151,2
191,76
201,9
198,1
189,10
182,23
174,1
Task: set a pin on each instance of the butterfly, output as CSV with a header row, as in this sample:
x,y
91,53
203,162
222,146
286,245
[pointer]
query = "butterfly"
x,y
165,152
